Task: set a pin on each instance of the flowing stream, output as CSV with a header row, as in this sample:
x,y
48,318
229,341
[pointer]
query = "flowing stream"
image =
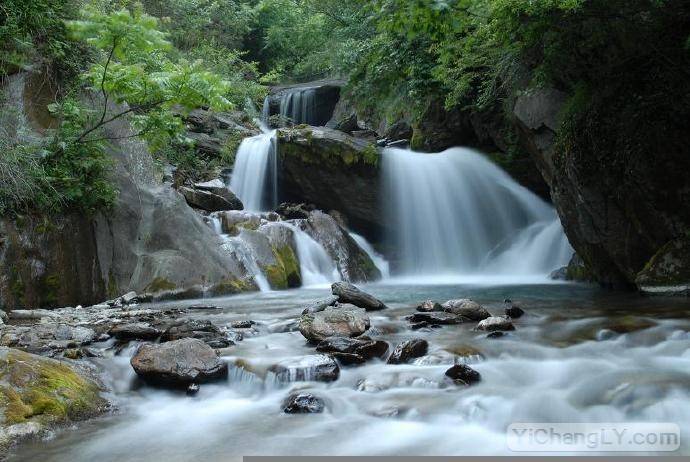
x,y
456,213
579,354
255,176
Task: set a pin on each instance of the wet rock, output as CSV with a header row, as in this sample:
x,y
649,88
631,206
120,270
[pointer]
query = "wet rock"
x,y
495,323
353,263
193,389
303,403
3,316
367,349
496,334
466,308
348,293
178,363
440,318
134,331
408,350
348,359
199,329
211,201
290,211
463,374
242,324
467,353
317,368
72,353
320,305
512,310
429,306
334,322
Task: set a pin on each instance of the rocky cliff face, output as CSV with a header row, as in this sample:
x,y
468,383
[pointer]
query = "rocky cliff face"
x,y
622,200
152,241
334,171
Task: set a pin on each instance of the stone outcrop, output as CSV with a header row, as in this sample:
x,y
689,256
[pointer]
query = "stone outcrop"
x,y
353,263
334,171
620,203
341,321
151,242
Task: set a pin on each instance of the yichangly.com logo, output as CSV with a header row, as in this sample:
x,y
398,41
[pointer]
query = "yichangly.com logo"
x,y
593,437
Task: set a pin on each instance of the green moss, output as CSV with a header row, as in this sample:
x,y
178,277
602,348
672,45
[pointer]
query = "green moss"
x,y
112,285
288,260
46,390
669,265
160,285
417,141
275,274
231,286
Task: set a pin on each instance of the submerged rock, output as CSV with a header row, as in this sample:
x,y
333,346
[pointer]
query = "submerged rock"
x,y
668,271
348,293
408,350
303,403
178,363
466,308
496,323
318,368
342,321
463,374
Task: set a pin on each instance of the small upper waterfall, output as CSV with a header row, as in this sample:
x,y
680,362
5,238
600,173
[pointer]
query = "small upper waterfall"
x,y
457,213
255,176
299,105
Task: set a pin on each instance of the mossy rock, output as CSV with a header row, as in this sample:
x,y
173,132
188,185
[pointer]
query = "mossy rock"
x,y
232,286
46,391
286,272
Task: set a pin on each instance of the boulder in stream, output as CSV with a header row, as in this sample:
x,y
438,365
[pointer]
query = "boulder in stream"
x,y
341,321
178,363
365,348
216,201
408,350
303,403
495,323
434,317
134,331
466,308
348,293
462,374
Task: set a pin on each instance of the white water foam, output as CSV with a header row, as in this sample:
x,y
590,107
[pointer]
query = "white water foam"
x,y
457,214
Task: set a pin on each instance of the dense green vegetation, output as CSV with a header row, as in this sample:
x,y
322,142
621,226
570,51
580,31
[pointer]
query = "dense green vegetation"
x,y
400,56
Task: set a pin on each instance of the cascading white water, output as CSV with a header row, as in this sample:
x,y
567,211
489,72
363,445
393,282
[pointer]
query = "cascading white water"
x,y
255,176
379,261
316,266
457,213
241,249
299,105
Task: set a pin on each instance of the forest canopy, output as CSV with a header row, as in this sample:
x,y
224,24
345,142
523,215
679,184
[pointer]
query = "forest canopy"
x,y
397,56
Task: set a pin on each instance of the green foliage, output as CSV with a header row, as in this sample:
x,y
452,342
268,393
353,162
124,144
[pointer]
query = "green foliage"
x,y
34,32
135,69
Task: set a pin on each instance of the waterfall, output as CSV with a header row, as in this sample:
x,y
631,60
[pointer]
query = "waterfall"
x,y
316,266
266,111
255,176
243,252
379,261
299,105
457,213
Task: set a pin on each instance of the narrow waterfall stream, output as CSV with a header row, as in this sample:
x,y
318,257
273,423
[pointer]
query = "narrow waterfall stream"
x,y
456,213
255,176
299,106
